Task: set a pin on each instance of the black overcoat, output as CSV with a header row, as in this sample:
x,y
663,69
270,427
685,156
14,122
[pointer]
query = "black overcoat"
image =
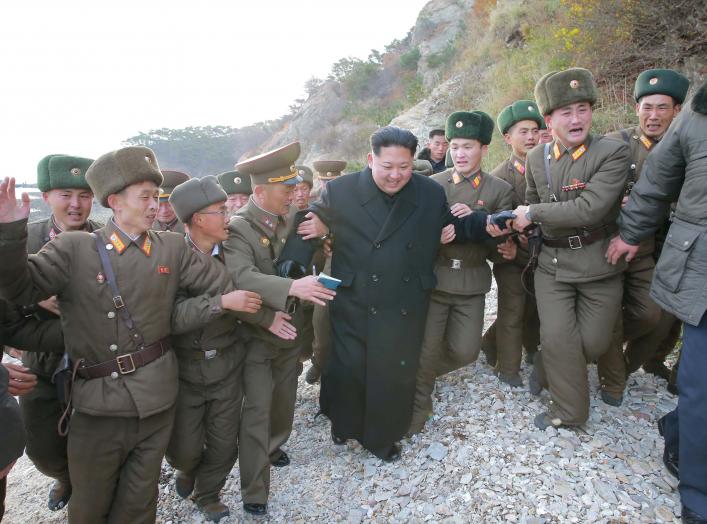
x,y
385,259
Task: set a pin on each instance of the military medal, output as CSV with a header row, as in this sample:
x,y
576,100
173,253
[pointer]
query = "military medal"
x,y
52,234
100,278
163,270
576,185
265,241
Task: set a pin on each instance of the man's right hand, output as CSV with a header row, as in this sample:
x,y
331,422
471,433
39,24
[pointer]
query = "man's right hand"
x,y
282,328
241,300
448,234
21,381
10,209
307,288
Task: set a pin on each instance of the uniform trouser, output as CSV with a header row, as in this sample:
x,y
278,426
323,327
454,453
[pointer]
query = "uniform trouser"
x,y
576,327
655,345
115,465
640,315
306,332
322,336
516,322
452,339
41,411
691,418
204,441
270,387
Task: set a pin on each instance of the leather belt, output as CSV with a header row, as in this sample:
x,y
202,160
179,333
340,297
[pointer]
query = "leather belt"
x,y
585,238
127,363
452,263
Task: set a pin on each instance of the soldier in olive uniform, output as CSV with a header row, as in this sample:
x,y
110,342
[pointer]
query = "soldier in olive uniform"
x,y
62,180
575,186
258,233
126,376
204,443
659,94
517,322
326,170
238,189
166,217
455,317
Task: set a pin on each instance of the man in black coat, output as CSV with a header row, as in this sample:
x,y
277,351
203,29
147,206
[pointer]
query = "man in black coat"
x,y
386,223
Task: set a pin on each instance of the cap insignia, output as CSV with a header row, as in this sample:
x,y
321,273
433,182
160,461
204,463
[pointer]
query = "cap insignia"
x,y
75,171
653,81
459,124
301,172
531,108
574,84
237,180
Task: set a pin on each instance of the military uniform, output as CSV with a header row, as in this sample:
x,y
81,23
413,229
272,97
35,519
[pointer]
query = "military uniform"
x,y
643,324
270,372
124,409
574,196
455,316
210,350
517,323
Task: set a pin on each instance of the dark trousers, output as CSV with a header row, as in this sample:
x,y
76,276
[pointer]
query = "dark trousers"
x,y
691,418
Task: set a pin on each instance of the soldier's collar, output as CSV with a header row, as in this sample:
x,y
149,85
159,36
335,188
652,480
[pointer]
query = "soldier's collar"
x,y
474,178
266,218
559,149
646,141
518,164
120,240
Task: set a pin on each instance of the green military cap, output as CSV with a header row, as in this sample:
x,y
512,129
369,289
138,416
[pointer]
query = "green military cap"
x,y
517,112
112,172
562,88
306,174
234,182
475,125
422,167
194,195
661,82
273,167
171,180
329,169
62,172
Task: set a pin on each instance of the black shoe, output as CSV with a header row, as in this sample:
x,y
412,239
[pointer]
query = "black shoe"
x,y
659,370
392,455
612,399
337,440
59,495
281,461
256,509
690,517
670,460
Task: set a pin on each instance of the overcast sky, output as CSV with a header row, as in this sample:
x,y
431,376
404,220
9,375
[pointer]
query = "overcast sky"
x,y
79,77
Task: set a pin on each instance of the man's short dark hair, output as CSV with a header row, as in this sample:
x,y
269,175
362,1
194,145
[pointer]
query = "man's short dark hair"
x,y
393,136
436,132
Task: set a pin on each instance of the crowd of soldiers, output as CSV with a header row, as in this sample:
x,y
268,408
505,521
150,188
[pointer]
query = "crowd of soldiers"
x,y
179,328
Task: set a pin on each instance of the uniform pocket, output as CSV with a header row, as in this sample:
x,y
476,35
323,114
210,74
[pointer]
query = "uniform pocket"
x,y
676,250
346,279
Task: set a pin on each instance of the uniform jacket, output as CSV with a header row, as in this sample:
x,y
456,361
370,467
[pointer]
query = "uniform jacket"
x,y
28,333
38,234
676,170
603,168
479,191
149,272
255,240
640,145
385,259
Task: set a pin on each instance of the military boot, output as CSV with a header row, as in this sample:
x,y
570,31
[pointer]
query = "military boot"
x,y
513,380
184,484
214,511
59,495
313,374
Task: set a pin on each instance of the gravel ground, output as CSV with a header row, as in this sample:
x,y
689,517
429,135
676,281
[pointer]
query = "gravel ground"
x,y
480,459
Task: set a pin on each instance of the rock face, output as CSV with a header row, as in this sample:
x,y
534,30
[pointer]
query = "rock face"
x,y
438,25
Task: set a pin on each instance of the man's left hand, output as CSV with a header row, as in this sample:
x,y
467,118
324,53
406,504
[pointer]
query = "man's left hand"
x,y
460,210
619,248
448,234
313,227
507,249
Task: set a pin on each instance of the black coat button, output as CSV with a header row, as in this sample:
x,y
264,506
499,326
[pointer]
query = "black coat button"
x,y
374,277
373,310
406,279
409,245
404,312
377,245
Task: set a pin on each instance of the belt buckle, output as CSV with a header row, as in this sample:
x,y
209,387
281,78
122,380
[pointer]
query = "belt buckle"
x,y
210,353
124,370
118,302
455,263
575,242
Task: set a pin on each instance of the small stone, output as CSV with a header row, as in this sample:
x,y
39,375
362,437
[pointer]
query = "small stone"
x,y
466,479
605,491
437,451
664,514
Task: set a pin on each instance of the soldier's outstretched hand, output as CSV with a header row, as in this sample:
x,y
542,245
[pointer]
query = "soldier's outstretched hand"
x,y
282,328
241,300
619,248
308,288
10,209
